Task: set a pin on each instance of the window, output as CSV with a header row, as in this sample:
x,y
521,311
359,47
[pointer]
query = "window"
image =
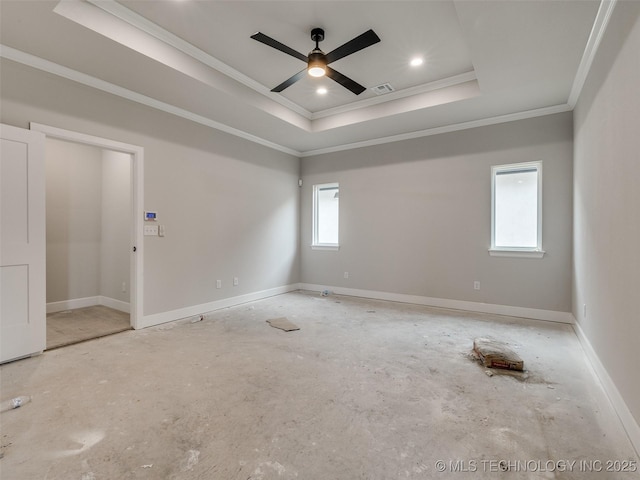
x,y
325,216
516,210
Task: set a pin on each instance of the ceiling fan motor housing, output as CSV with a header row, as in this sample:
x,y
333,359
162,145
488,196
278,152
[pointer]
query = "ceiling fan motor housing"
x,y
317,57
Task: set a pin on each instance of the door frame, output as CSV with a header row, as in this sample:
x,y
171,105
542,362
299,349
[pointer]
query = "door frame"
x,y
136,277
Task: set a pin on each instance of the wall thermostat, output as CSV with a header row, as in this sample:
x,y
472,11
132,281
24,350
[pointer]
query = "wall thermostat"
x,y
150,216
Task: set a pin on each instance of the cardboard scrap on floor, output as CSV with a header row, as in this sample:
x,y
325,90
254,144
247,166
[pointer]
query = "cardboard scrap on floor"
x,y
497,354
283,324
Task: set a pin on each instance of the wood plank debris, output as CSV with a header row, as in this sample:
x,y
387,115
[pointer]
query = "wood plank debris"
x,y
283,324
497,354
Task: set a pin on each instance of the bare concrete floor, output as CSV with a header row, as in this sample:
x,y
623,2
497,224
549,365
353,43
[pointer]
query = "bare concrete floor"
x,y
364,390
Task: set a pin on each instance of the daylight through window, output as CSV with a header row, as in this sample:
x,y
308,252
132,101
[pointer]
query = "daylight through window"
x,y
325,215
516,207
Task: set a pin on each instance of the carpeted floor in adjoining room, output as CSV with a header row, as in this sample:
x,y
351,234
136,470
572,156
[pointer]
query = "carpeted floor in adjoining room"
x,y
73,326
364,390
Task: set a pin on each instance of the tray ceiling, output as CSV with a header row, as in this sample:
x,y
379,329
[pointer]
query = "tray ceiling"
x,y
484,61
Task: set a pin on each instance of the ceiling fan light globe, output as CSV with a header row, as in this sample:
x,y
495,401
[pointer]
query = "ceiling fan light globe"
x,y
316,71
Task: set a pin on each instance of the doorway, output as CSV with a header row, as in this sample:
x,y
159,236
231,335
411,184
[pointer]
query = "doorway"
x,y
88,222
94,229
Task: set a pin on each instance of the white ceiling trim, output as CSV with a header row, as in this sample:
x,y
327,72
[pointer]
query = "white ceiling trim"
x,y
539,112
407,92
112,27
441,96
90,81
595,37
138,21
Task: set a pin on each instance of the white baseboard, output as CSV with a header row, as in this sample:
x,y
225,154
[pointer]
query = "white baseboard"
x,y
629,423
63,305
624,414
54,307
164,317
115,304
534,313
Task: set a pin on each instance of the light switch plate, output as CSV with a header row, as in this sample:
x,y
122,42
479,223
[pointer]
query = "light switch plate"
x,y
151,230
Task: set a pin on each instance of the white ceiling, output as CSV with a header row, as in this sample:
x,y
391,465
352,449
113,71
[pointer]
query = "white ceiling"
x,y
484,61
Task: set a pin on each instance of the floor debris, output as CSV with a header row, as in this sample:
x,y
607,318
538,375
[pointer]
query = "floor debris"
x,y
283,324
14,403
497,354
191,461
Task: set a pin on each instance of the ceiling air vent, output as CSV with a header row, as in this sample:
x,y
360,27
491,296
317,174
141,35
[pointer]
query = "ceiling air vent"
x,y
382,89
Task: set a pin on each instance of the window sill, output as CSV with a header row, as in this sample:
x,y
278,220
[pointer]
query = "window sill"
x,y
505,252
325,247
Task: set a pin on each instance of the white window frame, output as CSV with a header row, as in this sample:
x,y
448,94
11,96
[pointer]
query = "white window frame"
x,y
316,245
530,252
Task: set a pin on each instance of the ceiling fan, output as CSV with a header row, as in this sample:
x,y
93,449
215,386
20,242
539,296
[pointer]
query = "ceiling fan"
x,y
318,62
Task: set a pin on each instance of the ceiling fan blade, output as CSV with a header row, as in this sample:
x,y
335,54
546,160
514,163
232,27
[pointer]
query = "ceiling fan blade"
x,y
365,40
261,37
345,81
290,81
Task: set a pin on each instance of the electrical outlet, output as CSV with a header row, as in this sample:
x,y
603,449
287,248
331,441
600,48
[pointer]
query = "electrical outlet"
x,y
218,283
584,310
124,287
235,281
476,285
346,274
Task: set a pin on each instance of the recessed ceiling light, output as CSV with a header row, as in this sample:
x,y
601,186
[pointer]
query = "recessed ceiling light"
x,y
416,62
321,91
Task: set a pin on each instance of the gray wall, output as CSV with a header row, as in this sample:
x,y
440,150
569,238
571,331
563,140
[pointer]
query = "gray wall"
x,y
415,216
74,212
115,246
606,272
231,207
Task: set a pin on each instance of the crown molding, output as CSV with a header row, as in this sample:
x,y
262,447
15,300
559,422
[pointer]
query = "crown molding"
x,y
595,37
50,67
406,92
138,21
483,122
120,12
90,81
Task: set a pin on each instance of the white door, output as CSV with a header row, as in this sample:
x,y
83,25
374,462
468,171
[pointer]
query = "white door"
x,y
22,243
